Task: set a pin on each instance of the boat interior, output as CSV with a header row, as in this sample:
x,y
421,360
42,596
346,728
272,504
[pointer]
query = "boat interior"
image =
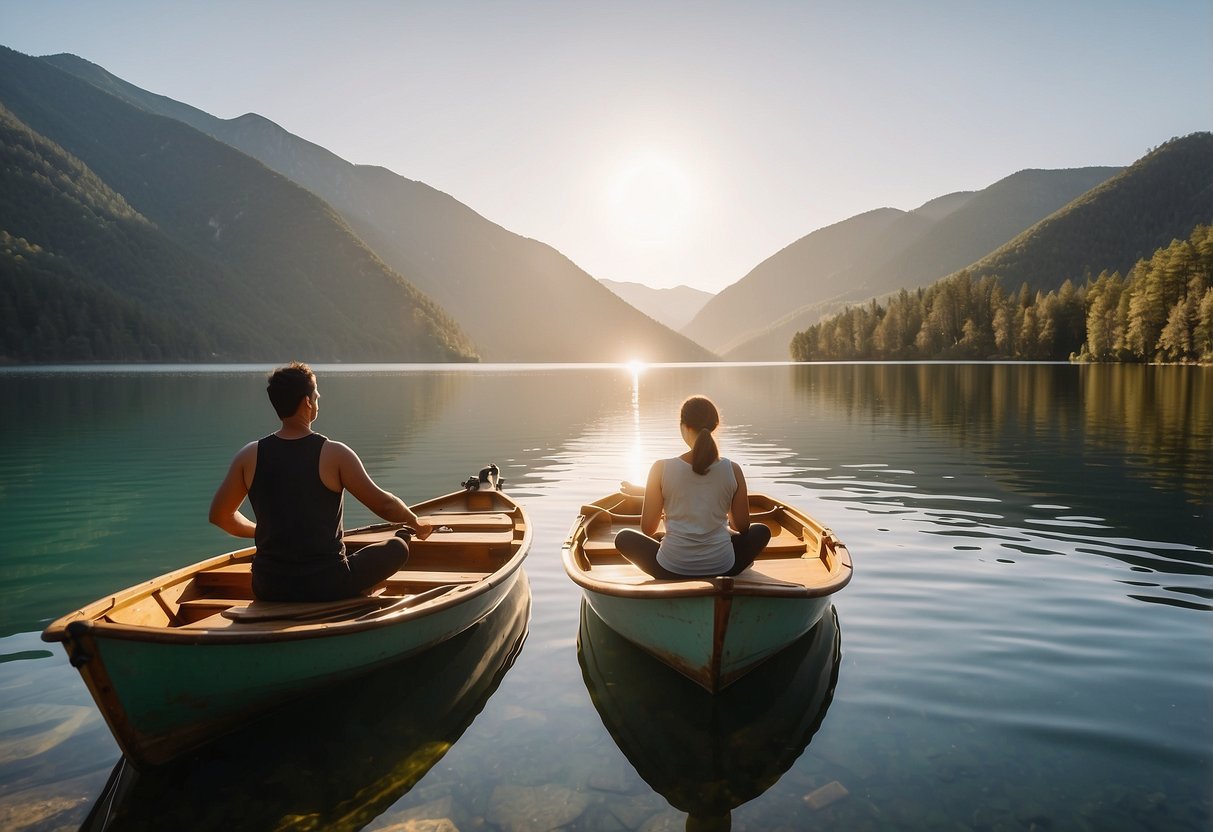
x,y
799,552
466,547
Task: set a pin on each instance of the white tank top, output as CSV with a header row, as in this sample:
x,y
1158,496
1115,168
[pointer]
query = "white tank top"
x,y
697,540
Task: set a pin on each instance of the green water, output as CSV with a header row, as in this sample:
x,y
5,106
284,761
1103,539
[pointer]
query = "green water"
x,y
1026,643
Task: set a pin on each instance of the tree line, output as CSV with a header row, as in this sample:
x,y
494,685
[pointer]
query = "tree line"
x,y
1162,310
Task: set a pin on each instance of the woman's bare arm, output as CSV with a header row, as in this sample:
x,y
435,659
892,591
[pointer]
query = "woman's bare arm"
x,y
654,500
739,511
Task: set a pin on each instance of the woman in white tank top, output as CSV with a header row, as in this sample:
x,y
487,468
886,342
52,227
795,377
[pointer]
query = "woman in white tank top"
x,y
706,507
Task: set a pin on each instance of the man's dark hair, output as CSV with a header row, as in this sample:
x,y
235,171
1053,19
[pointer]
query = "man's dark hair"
x,y
288,385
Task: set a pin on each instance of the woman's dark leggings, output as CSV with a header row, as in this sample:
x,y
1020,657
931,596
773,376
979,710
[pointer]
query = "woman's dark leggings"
x,y
641,550
349,578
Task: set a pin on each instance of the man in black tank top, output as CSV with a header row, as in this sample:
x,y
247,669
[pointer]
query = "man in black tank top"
x,y
296,481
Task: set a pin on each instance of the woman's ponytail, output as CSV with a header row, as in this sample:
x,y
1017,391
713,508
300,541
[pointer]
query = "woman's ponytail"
x,y
704,452
700,415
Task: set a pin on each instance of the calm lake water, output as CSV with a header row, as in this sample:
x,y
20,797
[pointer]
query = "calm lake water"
x,y
1026,643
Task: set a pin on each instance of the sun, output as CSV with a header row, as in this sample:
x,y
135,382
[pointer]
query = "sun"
x,y
650,198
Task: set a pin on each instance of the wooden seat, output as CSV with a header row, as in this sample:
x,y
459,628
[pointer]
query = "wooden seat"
x,y
619,573
601,545
197,609
233,575
594,548
470,538
409,577
486,538
471,521
809,571
306,610
790,572
209,603
782,545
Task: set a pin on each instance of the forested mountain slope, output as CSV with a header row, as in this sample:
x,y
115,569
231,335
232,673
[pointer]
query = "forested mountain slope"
x,y
60,225
202,239
1118,301
1161,197
1162,310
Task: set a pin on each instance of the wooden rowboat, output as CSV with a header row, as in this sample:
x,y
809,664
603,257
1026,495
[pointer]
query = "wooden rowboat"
x,y
713,630
368,741
179,659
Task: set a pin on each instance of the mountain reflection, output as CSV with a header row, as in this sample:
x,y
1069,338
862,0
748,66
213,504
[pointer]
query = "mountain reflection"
x,y
705,754
1142,413
335,760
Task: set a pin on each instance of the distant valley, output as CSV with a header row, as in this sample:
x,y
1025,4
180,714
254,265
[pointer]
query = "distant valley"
x,y
674,307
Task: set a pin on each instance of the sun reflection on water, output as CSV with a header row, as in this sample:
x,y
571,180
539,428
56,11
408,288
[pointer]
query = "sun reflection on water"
x,y
637,456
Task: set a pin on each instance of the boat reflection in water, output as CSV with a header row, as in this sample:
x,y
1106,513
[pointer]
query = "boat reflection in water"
x,y
708,754
334,760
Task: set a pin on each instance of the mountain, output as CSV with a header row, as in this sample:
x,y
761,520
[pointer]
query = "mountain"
x,y
1160,198
913,249
71,227
671,307
988,219
1038,297
939,207
185,233
518,299
808,269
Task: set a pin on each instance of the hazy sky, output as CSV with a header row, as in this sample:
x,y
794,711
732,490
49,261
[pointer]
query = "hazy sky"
x,y
663,142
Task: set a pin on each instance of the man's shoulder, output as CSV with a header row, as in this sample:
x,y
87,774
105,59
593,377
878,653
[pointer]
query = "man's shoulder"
x,y
332,447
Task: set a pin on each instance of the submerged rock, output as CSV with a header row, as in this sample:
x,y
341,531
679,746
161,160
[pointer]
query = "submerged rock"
x,y
668,821
829,793
434,816
535,808
423,825
29,730
40,811
618,778
634,811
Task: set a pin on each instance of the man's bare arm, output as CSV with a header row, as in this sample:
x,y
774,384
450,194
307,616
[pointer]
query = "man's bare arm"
x,y
354,479
225,505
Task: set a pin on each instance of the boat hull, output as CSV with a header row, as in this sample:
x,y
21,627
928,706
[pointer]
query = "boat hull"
x,y
713,639
162,698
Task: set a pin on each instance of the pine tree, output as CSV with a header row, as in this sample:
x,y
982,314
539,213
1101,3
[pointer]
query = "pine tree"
x,y
1202,336
1103,323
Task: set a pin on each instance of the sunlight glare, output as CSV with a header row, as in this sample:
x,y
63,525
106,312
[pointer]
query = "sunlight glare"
x,y
650,198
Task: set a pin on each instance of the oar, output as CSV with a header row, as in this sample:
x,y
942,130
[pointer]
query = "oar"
x,y
408,601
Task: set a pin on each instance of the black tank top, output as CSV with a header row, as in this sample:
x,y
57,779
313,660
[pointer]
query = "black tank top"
x,y
299,519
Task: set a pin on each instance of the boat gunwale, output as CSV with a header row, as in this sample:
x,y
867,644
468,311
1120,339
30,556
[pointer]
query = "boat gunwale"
x,y
90,614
